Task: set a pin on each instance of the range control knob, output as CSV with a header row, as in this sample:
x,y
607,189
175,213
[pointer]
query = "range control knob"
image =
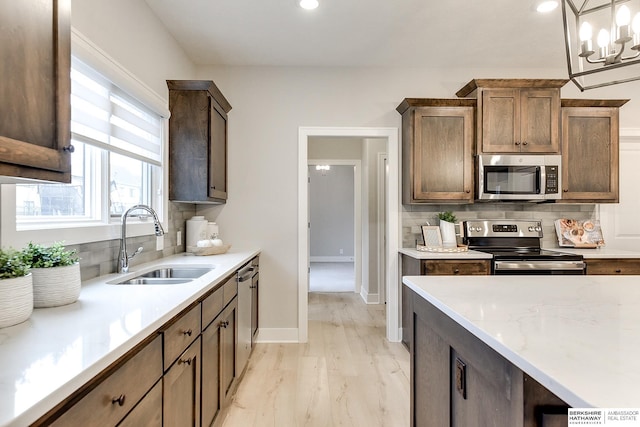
x,y
531,228
538,228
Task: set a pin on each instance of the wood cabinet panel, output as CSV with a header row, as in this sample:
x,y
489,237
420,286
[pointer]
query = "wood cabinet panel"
x,y
211,402
590,154
181,407
113,398
437,151
35,113
606,266
180,334
520,121
456,267
228,346
197,142
147,413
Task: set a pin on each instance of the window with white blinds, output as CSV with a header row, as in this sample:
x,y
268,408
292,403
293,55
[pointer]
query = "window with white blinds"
x,y
117,162
104,116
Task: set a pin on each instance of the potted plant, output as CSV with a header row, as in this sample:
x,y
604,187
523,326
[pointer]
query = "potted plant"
x,y
56,274
16,290
448,228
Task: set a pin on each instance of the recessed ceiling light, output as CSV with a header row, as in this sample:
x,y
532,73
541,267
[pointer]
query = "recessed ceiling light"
x,y
545,6
308,4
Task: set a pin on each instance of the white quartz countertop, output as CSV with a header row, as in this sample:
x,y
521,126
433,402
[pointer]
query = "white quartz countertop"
x,y
414,253
579,336
603,252
48,357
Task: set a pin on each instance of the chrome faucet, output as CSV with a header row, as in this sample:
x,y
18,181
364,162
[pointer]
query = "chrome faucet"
x,y
124,257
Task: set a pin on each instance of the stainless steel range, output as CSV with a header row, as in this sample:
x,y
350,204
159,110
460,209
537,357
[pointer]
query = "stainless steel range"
x,y
515,246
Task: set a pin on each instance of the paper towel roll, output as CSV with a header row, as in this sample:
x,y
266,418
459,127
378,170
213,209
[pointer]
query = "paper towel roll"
x,y
196,230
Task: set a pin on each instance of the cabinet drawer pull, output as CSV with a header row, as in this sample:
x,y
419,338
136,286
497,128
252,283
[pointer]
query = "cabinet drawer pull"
x,y
185,361
618,271
69,148
119,400
456,271
461,378
188,332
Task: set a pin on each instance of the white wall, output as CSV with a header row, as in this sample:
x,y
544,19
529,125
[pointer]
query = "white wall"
x,y
131,34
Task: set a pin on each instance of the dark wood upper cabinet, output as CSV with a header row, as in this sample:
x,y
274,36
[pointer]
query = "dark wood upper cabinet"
x,y
35,107
197,142
590,150
437,150
516,115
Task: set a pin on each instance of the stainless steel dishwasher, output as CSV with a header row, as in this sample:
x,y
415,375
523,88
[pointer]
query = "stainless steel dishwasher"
x,y
247,278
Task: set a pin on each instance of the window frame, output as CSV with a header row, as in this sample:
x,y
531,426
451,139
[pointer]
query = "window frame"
x,y
108,227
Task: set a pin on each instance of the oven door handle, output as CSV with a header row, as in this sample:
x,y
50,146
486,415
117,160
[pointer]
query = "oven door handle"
x,y
538,265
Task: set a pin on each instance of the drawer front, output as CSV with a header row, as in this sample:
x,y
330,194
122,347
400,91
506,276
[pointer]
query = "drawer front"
x,y
180,334
212,306
456,268
620,266
229,290
114,397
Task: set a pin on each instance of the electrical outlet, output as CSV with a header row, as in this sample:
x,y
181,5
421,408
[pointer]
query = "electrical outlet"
x,y
159,243
179,238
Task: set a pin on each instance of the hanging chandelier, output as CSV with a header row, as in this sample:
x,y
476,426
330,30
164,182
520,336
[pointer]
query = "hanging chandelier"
x,y
602,40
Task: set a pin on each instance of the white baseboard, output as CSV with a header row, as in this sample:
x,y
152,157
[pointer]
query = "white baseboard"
x,y
369,298
330,259
278,335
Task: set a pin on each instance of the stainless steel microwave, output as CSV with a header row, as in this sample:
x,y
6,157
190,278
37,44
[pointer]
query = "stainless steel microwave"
x,y
518,177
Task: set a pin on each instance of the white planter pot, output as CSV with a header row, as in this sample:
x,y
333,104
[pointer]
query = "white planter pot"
x,y
56,286
16,300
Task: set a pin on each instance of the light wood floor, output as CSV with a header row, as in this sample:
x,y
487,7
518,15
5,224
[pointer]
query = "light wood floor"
x,y
348,374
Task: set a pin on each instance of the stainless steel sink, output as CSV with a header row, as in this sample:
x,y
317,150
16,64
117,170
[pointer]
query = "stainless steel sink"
x,y
177,272
153,281
166,276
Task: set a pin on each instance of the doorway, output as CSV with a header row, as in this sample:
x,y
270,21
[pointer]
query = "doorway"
x,y
392,210
335,236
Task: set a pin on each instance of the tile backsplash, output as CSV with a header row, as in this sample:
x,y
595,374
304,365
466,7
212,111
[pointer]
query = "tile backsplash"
x,y
414,216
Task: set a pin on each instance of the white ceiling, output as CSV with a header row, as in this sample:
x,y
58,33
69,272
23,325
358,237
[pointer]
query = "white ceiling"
x,y
366,33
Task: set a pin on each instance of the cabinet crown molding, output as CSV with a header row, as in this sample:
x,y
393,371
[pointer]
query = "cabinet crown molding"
x,y
434,102
470,88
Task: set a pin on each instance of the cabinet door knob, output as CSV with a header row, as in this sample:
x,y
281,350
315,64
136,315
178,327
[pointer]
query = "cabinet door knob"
x,y
69,148
119,400
565,190
525,143
456,271
517,143
467,191
188,332
185,361
618,271
224,324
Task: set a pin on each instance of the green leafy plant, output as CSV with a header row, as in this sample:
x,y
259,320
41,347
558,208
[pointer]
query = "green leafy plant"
x,y
39,256
447,216
12,264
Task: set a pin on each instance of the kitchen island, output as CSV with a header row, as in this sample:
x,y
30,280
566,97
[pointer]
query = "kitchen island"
x,y
46,359
574,340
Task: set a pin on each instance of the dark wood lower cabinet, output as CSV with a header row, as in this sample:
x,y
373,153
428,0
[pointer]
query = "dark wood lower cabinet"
x,y
617,266
458,380
182,389
228,340
148,413
211,372
423,267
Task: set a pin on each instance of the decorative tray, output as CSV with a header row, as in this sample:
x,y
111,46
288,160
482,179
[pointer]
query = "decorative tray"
x,y
209,250
443,249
